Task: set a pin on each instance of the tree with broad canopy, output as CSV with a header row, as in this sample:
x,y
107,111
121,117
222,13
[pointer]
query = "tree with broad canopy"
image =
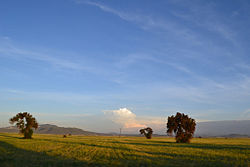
x,y
182,126
25,122
147,132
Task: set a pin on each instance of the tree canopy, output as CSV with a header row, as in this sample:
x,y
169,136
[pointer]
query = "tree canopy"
x,y
147,132
182,126
25,122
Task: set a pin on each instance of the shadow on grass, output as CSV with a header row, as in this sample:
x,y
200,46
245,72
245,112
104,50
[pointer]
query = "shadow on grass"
x,y
153,143
188,145
214,146
156,156
11,156
14,137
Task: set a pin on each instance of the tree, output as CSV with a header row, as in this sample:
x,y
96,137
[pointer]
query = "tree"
x,y
182,126
25,122
147,132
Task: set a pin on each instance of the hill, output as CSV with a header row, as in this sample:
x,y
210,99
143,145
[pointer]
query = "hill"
x,y
53,129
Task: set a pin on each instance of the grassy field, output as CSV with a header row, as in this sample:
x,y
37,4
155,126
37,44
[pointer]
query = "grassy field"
x,y
53,150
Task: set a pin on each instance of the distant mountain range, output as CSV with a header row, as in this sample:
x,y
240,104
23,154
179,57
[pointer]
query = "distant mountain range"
x,y
53,129
204,129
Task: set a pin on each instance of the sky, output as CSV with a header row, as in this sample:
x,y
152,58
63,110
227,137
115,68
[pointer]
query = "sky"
x,y
104,65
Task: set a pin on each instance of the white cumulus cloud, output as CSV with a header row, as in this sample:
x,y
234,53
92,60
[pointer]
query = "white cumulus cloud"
x,y
124,118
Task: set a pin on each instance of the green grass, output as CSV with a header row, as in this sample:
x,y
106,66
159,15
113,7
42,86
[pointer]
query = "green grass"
x,y
53,150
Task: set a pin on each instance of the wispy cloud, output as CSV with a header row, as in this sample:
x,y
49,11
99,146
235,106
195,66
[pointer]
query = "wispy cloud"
x,y
209,91
197,16
7,49
133,59
69,97
205,16
123,15
148,22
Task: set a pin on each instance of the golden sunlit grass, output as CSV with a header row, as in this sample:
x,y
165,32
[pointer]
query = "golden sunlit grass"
x,y
53,150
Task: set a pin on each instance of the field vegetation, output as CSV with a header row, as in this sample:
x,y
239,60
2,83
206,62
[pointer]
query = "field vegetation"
x,y
54,150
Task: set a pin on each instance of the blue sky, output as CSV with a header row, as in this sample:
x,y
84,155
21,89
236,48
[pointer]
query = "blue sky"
x,y
95,64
